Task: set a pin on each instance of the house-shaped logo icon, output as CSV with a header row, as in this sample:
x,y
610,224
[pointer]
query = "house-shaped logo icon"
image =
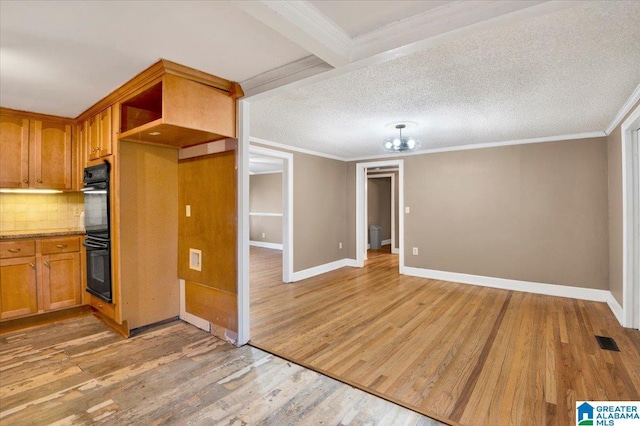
x,y
585,414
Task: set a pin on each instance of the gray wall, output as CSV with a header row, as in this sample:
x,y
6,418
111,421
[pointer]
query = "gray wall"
x,y
265,196
614,161
535,212
319,210
379,204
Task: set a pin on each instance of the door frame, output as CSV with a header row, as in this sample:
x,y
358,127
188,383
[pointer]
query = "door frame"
x,y
394,249
630,222
287,206
361,181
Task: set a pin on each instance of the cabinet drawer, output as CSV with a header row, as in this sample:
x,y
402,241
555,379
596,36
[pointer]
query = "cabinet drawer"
x,y
60,245
9,249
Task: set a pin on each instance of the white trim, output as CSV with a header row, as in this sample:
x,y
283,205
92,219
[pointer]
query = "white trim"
x,y
488,145
385,242
304,25
515,285
441,24
274,172
361,211
190,318
288,73
265,214
265,244
287,207
633,99
544,139
630,286
242,177
615,308
322,269
296,149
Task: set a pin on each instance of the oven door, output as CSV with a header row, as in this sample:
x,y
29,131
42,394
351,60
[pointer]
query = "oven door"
x,y
96,208
99,268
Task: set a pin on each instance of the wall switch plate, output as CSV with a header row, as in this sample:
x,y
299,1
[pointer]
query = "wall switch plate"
x,y
188,210
340,245
407,209
264,235
415,251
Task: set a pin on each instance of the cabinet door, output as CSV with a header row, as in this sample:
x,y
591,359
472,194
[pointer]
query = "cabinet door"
x,y
93,138
18,287
61,280
52,148
106,124
14,148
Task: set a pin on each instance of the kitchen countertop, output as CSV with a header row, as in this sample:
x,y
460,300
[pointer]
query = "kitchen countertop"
x,y
39,233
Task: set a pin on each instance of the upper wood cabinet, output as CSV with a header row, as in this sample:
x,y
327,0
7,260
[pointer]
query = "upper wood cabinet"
x,y
177,112
36,153
97,134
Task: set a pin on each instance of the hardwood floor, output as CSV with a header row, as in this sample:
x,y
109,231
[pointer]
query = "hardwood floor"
x,y
80,372
459,353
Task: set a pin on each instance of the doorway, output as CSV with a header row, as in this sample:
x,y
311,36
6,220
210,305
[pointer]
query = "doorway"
x,y
271,165
362,172
382,206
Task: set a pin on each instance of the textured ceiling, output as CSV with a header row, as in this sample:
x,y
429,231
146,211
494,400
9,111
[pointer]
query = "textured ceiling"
x,y
60,57
567,72
357,17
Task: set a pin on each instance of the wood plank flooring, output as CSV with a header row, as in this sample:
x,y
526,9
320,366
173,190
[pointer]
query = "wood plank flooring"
x,y
80,372
460,353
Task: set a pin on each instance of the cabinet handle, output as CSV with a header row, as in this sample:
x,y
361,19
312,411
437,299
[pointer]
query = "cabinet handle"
x,y
61,246
100,305
33,266
25,180
46,264
14,250
39,180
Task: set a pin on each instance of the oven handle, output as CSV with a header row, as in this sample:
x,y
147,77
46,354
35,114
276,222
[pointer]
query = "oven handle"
x,y
95,186
95,245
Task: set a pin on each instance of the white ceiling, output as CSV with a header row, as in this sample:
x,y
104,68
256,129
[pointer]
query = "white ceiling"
x,y
327,76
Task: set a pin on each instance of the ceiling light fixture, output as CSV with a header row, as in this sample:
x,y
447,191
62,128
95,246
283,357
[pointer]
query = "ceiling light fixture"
x,y
400,144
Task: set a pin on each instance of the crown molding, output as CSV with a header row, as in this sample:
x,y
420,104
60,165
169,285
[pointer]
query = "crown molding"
x,y
438,25
295,149
305,26
633,99
489,145
289,73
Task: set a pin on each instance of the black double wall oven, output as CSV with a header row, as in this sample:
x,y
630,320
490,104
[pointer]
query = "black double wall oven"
x,y
97,226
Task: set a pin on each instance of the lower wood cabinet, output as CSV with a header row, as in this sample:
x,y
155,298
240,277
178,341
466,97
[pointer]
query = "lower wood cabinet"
x,y
39,275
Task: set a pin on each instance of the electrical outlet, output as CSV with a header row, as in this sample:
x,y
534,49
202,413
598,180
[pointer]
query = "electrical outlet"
x,y
340,245
407,209
188,212
264,235
415,251
76,211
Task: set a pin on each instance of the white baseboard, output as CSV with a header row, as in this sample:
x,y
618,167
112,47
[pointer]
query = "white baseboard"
x,y
190,318
385,242
395,250
266,245
616,309
322,269
592,294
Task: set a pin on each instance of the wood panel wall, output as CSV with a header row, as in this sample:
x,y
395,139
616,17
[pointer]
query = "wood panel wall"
x,y
208,185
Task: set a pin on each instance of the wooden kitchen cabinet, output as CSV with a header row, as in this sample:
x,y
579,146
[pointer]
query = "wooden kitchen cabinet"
x,y
177,112
98,133
36,153
40,275
18,294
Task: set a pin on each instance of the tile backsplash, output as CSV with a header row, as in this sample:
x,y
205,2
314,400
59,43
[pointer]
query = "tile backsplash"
x,y
27,212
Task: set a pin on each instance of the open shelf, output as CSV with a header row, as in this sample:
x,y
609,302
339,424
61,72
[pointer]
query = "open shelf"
x,y
177,112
